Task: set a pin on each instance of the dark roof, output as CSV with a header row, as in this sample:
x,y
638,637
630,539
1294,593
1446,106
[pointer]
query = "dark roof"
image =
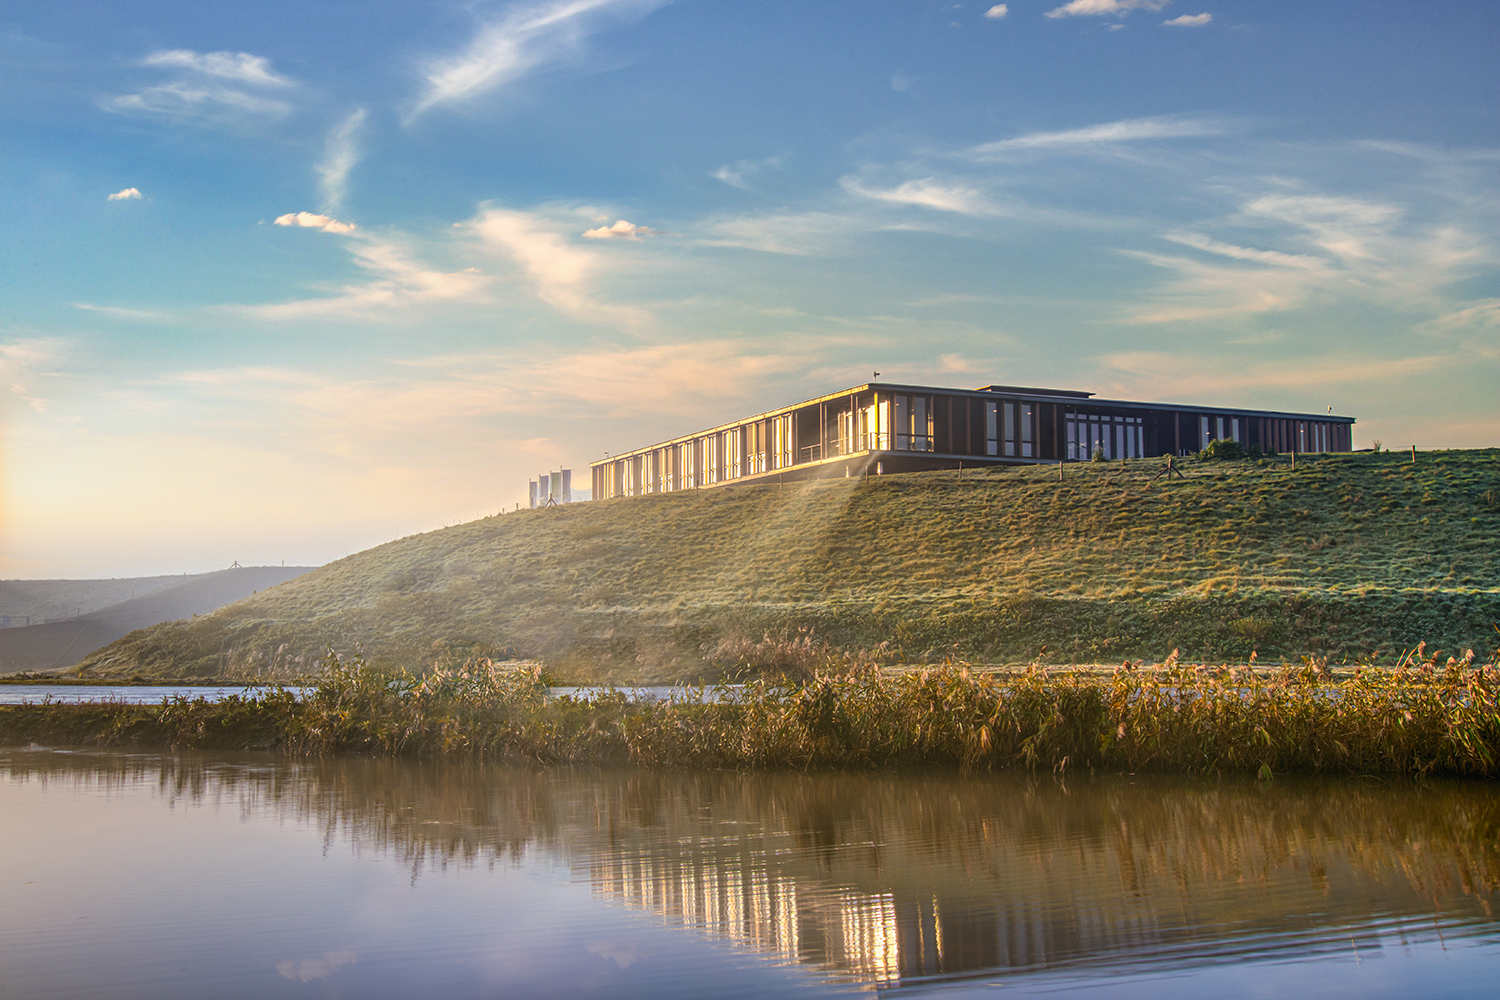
x,y
1031,390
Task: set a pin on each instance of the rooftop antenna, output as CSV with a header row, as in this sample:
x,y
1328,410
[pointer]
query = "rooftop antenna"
x,y
877,374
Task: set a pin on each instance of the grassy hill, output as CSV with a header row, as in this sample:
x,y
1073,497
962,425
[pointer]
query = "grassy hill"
x,y
1346,555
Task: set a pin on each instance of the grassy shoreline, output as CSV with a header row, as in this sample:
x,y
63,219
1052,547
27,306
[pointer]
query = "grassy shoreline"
x,y
1422,718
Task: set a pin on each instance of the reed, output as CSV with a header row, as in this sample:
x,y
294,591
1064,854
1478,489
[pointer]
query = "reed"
x,y
1421,718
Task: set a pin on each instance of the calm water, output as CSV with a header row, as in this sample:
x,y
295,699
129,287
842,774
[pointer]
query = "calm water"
x,y
16,694
258,876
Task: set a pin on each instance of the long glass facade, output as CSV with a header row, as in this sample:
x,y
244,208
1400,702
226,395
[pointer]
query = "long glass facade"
x,y
878,428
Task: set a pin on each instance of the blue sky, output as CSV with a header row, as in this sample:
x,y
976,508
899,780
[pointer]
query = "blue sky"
x,y
282,281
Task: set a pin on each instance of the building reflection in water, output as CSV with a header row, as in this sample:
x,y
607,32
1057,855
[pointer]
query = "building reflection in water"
x,y
747,901
880,880
1016,878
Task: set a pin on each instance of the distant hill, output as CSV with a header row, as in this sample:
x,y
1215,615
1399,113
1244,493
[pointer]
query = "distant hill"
x,y
53,600
160,599
1345,555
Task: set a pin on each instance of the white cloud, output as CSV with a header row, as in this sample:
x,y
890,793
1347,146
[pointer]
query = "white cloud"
x,y
1351,251
340,154
737,175
901,82
309,969
210,87
1104,8
997,11
1207,245
401,281
1108,133
561,272
621,230
527,36
129,194
120,312
927,192
197,102
309,220
1343,227
1189,20
794,233
241,66
734,178
1481,315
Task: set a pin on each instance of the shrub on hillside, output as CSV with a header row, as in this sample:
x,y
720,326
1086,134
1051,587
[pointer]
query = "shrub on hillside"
x,y
1223,450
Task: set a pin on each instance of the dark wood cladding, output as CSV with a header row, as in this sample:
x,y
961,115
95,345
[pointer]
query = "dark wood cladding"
x,y
881,427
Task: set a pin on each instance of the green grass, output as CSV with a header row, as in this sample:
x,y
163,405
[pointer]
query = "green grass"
x,y
1345,556
1424,717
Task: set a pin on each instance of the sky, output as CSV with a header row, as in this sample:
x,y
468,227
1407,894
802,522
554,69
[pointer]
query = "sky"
x,y
280,281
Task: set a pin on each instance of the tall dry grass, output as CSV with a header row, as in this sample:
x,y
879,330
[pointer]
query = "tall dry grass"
x,y
1424,717
1421,718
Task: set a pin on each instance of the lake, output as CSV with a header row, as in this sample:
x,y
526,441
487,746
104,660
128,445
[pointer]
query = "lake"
x,y
155,694
129,875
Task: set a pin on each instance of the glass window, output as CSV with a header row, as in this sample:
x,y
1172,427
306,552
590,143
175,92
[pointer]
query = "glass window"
x,y
903,422
921,424
1010,427
991,422
1072,427
1026,430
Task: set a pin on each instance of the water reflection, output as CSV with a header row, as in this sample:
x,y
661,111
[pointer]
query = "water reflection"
x,y
882,881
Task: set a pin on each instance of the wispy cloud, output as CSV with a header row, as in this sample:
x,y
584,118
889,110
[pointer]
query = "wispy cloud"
x,y
561,273
997,11
1348,250
738,175
621,230
241,66
129,194
795,233
1157,371
1188,21
211,87
400,281
205,103
1106,134
120,312
1200,242
23,363
524,38
310,220
340,154
1104,8
927,192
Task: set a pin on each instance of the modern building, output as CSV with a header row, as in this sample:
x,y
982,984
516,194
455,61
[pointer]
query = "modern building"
x,y
884,428
551,488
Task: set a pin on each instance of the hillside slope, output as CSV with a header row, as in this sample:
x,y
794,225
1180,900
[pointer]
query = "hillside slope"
x,y
1345,555
61,599
65,643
